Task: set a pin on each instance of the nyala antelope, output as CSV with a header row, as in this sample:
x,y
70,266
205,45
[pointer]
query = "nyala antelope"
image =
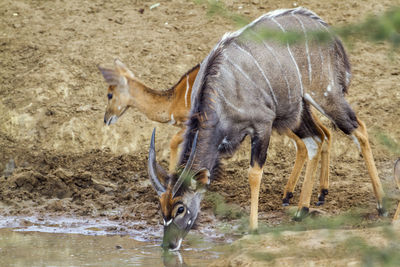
x,y
397,180
248,86
126,91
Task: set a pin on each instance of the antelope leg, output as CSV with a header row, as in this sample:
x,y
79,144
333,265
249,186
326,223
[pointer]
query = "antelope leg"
x,y
255,175
174,144
301,157
396,214
325,157
314,146
259,148
362,136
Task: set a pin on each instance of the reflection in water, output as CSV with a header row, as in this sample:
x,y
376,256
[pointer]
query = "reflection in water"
x,y
171,259
46,249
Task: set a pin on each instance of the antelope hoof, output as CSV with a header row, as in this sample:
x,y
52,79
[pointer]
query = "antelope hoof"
x,y
321,198
286,200
253,231
382,211
301,214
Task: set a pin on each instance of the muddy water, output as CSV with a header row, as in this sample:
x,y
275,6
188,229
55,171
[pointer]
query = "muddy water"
x,y
67,244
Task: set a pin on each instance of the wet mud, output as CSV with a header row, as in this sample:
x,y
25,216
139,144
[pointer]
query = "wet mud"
x,y
57,157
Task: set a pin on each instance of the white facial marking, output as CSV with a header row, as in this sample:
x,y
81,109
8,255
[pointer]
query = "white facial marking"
x,y
168,223
178,246
164,222
355,140
291,55
329,88
326,94
311,146
119,107
187,90
188,211
262,72
189,222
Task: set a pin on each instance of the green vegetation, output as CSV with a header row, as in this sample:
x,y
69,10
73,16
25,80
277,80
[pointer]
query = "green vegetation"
x,y
385,27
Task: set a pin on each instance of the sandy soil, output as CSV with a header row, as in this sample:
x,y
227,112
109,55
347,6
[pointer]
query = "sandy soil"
x,y
52,102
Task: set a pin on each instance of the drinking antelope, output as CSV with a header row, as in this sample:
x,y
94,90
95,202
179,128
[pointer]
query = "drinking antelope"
x,y
126,91
247,87
397,180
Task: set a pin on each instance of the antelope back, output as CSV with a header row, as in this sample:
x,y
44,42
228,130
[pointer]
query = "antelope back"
x,y
118,91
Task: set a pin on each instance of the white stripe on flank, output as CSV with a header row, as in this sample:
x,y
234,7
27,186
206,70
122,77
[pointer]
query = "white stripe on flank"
x,y
277,60
307,50
291,55
246,76
187,89
261,70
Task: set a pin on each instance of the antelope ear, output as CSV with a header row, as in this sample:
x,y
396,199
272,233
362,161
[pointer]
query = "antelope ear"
x,y
123,69
200,180
162,175
112,77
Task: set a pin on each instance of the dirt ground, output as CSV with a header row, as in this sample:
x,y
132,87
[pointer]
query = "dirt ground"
x,y
57,157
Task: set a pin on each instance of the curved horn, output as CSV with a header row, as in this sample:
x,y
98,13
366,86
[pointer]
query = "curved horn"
x,y
187,168
152,167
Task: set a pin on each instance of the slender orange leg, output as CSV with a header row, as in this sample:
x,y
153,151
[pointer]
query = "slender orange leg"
x,y
362,136
174,144
255,174
301,157
325,157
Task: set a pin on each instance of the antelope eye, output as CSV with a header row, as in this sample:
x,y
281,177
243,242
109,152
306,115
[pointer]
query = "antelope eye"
x,y
109,95
180,210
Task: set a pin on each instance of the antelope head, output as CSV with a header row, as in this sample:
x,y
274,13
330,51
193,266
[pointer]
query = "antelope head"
x,y
118,91
180,195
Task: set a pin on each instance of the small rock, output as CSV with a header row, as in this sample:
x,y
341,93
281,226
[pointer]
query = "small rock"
x,y
10,167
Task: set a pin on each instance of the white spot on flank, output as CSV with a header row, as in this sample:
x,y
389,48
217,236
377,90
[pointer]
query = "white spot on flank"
x,y
355,140
187,90
291,55
311,146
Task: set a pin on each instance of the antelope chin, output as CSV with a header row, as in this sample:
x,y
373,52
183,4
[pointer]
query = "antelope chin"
x,y
178,246
113,119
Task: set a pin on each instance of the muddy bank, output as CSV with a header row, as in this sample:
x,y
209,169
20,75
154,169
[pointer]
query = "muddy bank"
x,y
52,102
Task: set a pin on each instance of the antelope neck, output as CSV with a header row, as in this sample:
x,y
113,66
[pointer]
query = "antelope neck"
x,y
153,103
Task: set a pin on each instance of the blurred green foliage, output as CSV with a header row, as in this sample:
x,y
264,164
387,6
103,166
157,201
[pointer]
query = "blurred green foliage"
x,y
384,27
